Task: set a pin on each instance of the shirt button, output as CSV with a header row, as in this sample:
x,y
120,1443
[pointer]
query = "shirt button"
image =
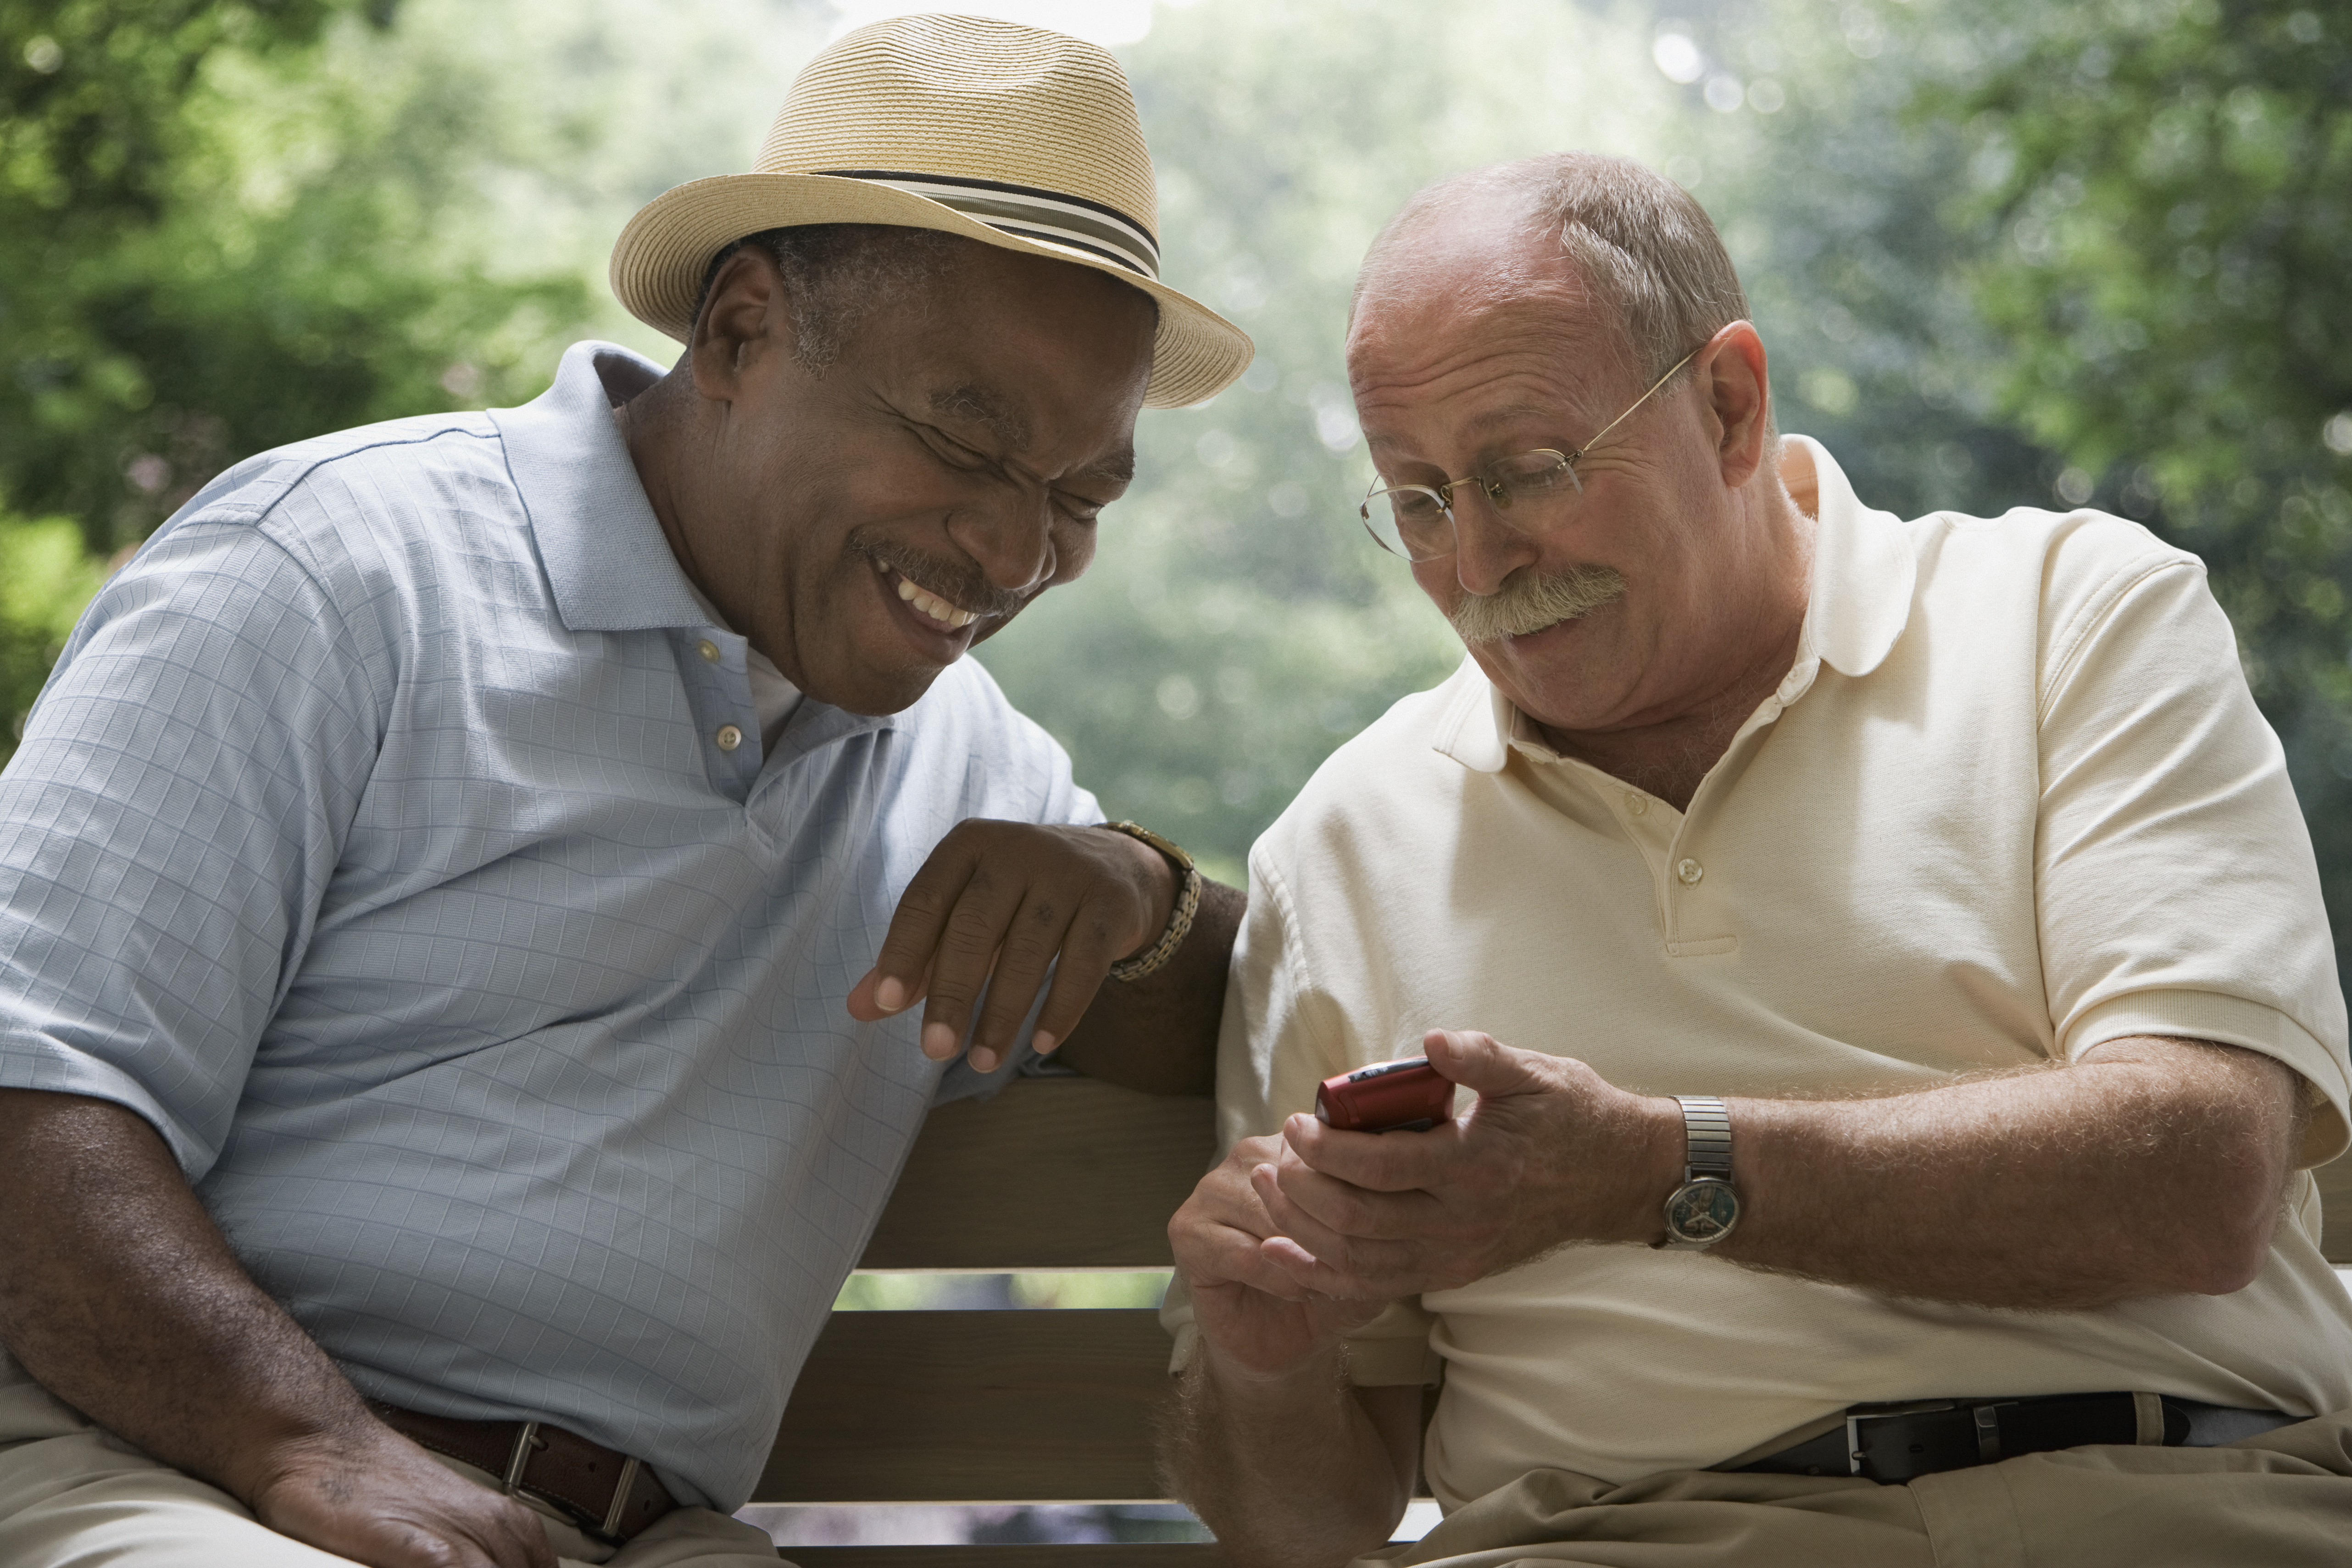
x,y
1690,871
1636,803
729,737
708,650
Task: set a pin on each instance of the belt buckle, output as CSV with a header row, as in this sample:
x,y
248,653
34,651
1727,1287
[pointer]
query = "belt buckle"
x,y
611,1528
527,1442
1855,1415
1984,1420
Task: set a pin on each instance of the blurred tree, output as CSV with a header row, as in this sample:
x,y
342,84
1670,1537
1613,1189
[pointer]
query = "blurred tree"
x,y
2164,240
1239,624
211,244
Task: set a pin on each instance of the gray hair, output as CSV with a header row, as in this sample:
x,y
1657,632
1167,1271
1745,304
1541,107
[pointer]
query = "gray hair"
x,y
836,274
1647,255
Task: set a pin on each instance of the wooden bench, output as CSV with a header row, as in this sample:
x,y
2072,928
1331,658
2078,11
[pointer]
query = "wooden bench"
x,y
1033,1406
1006,1407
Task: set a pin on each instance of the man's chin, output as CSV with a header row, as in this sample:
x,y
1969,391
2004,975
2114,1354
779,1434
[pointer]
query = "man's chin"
x,y
874,691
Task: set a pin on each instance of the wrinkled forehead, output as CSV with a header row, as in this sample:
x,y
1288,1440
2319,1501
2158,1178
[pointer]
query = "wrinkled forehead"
x,y
1437,370
1481,291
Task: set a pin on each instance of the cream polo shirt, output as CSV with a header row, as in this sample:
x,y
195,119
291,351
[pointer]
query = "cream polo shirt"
x,y
2013,800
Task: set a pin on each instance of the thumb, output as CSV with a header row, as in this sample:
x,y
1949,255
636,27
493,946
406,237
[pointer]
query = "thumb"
x,y
1483,1063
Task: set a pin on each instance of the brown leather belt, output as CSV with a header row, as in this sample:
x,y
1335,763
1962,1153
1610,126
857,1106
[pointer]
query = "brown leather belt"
x,y
609,1495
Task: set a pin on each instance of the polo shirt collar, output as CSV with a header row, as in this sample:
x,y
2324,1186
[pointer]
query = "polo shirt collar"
x,y
1864,571
607,561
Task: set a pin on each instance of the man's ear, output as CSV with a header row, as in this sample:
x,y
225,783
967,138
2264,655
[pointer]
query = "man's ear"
x,y
1732,368
746,315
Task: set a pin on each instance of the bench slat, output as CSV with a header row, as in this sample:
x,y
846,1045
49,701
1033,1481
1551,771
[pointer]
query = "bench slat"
x,y
974,1407
1052,1174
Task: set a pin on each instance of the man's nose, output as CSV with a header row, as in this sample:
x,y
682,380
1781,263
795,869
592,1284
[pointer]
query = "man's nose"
x,y
1485,550
1010,536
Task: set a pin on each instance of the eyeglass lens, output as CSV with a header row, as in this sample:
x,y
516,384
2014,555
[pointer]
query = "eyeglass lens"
x,y
1416,522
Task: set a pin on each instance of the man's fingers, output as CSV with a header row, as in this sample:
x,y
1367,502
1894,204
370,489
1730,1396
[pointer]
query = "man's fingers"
x,y
1045,929
1346,1209
1481,1062
1378,1162
1319,1279
920,921
965,958
1346,1251
1239,1258
1088,950
1210,1251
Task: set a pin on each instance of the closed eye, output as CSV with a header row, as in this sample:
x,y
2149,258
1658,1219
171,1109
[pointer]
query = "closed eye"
x,y
952,452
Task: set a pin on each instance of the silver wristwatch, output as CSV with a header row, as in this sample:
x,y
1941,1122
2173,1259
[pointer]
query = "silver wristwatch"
x,y
1702,1211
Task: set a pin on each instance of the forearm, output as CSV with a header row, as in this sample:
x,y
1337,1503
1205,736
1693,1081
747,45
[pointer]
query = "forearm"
x,y
1159,1034
2153,1167
121,1297
1294,1472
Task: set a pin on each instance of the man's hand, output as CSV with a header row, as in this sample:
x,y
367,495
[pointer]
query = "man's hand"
x,y
996,908
1287,1462
1263,1324
1942,1194
1550,1154
374,1496
121,1297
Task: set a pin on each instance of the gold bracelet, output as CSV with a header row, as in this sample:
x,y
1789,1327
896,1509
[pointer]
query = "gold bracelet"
x,y
1180,919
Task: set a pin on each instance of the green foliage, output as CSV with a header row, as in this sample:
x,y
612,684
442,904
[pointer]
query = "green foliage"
x,y
2163,203
2001,253
217,237
45,577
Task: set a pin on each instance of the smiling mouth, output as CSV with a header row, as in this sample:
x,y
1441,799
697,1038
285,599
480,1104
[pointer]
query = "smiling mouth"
x,y
948,617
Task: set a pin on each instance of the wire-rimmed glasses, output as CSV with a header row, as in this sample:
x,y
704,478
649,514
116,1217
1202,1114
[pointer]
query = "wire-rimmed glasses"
x,y
1416,522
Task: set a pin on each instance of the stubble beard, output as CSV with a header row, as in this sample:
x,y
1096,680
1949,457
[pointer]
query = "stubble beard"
x,y
1527,602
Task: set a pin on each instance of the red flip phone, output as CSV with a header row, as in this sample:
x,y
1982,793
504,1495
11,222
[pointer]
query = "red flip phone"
x,y
1393,1097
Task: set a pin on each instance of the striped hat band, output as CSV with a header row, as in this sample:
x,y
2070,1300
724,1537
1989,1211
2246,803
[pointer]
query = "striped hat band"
x,y
1030,214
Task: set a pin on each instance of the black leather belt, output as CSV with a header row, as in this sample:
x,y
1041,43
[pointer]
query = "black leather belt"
x,y
1896,1442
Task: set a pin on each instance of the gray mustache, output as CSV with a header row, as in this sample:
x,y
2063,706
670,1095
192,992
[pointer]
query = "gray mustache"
x,y
1527,602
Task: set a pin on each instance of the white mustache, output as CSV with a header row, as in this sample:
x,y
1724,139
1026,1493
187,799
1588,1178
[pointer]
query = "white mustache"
x,y
1527,602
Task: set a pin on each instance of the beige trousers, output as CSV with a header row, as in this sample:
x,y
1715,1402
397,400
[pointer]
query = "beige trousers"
x,y
2280,1500
73,1495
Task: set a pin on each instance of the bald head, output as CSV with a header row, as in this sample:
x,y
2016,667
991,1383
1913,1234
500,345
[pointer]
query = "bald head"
x,y
1623,248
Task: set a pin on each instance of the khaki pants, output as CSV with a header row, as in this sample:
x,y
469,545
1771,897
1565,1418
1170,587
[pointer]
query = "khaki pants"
x,y
2280,1500
75,1496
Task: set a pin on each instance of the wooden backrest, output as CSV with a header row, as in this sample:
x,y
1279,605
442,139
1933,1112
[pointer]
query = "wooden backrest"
x,y
1033,1406
1004,1407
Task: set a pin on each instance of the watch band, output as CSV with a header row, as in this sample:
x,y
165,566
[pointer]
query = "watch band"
x,y
1707,1137
1180,917
1706,1207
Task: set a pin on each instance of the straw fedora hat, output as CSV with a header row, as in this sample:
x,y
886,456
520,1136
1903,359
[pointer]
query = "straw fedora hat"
x,y
1013,136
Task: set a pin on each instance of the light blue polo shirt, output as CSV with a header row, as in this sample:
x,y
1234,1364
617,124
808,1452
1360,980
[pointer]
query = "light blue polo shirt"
x,y
375,839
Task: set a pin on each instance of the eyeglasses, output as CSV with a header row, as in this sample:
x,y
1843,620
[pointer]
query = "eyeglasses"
x,y
1416,522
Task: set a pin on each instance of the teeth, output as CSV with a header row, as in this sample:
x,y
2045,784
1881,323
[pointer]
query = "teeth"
x,y
934,606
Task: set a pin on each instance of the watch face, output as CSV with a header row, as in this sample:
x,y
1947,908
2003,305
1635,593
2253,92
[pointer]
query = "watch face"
x,y
1703,1211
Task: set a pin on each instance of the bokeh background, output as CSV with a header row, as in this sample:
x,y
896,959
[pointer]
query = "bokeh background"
x,y
2003,253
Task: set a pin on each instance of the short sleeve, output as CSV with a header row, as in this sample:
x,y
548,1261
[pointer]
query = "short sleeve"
x,y
1278,1040
2177,889
169,824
